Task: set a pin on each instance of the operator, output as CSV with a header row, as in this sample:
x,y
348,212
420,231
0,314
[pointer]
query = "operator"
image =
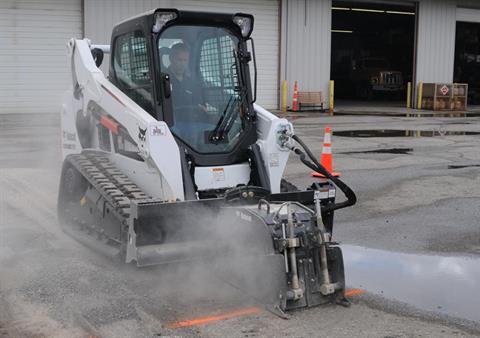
x,y
188,102
187,94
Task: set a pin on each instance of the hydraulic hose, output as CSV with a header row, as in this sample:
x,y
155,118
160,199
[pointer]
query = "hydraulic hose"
x,y
317,167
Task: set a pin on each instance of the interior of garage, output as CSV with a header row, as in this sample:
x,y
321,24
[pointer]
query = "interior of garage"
x,y
372,55
467,59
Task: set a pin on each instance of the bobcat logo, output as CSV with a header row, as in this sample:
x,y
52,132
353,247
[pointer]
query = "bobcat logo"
x,y
158,131
142,133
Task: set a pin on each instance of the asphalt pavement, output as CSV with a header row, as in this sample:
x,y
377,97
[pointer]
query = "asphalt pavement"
x,y
411,243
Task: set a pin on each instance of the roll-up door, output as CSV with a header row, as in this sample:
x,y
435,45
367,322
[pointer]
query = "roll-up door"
x,y
33,62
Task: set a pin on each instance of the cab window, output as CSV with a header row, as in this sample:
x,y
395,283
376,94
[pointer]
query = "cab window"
x,y
132,68
207,98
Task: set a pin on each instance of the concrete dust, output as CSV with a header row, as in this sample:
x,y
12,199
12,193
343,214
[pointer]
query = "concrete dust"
x,y
58,279
34,320
29,161
30,141
234,270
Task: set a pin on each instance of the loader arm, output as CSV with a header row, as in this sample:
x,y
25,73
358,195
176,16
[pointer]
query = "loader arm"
x,y
91,86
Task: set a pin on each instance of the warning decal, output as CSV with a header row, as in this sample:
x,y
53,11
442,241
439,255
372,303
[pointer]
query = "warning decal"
x,y
218,174
444,90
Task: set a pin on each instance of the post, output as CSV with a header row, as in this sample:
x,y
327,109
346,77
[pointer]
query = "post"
x,y
331,96
409,95
284,95
420,95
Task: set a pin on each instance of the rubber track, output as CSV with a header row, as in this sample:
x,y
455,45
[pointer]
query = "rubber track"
x,y
114,186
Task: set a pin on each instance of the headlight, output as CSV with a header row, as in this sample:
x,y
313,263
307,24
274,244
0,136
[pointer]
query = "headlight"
x,y
245,22
161,18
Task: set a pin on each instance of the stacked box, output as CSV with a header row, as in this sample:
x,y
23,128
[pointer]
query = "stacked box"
x,y
445,96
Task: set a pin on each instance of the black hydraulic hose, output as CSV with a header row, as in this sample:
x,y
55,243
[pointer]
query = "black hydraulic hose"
x,y
316,166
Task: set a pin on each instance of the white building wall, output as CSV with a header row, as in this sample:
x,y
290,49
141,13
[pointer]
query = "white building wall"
x,y
436,40
35,47
306,45
102,15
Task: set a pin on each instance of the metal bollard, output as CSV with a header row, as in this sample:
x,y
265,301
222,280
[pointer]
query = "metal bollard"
x,y
331,88
284,95
409,95
420,95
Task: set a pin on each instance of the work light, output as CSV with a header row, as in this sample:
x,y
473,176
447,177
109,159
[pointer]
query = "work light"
x,y
245,22
161,18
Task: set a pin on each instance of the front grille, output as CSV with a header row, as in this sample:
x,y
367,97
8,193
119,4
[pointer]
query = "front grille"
x,y
390,78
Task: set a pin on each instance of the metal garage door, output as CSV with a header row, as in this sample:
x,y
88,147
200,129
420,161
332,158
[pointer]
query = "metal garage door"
x,y
33,64
468,15
102,15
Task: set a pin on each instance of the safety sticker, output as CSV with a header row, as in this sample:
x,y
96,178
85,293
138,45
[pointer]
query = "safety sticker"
x,y
331,193
243,216
158,131
274,160
321,194
218,174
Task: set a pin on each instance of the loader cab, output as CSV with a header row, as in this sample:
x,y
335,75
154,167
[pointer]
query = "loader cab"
x,y
191,70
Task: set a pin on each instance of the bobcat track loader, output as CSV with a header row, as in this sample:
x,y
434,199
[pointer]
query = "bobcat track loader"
x,y
168,159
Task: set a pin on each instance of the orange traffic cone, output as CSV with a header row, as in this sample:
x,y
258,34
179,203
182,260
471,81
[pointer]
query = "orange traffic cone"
x,y
326,160
295,97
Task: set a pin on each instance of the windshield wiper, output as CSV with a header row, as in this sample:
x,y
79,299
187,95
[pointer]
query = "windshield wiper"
x,y
232,108
232,117
217,135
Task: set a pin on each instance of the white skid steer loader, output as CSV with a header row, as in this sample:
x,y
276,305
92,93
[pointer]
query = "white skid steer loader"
x,y
169,159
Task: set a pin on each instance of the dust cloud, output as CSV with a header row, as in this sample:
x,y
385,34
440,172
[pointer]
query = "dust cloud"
x,y
51,285
238,265
30,239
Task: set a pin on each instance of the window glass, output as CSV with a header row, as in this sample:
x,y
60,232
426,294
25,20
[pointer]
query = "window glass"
x,y
217,62
132,68
165,45
206,93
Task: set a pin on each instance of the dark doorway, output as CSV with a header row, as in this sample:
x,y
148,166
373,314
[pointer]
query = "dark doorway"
x,y
467,59
372,50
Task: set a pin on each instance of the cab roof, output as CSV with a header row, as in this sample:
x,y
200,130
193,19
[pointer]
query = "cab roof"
x,y
146,19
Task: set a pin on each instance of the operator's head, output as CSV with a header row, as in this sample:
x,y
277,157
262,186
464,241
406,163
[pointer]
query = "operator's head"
x,y
179,58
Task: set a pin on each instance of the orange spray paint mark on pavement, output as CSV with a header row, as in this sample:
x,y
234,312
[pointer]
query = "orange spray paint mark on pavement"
x,y
354,292
205,320
238,313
